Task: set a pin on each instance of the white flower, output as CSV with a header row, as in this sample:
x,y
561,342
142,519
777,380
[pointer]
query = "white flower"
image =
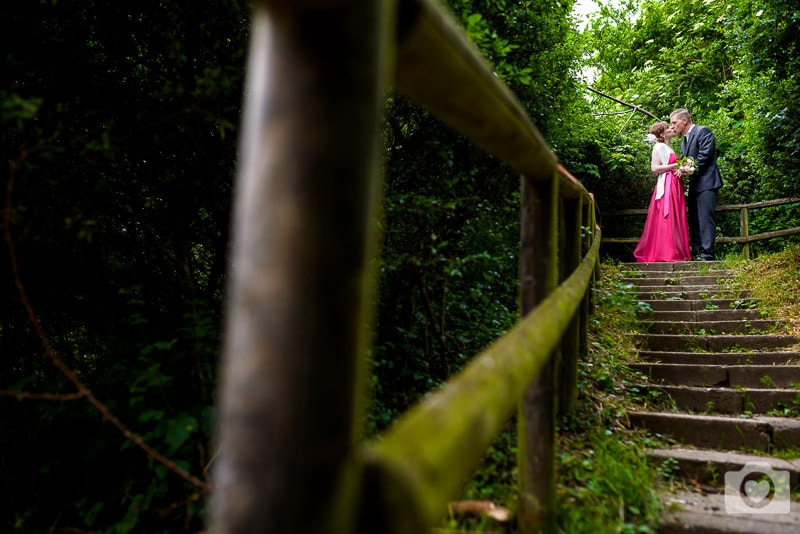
x,y
686,167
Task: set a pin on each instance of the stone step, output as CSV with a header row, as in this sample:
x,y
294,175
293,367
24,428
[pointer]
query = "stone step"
x,y
703,355
714,400
712,343
688,293
678,303
755,326
761,433
638,274
704,315
721,358
746,376
704,503
672,281
709,467
705,513
701,266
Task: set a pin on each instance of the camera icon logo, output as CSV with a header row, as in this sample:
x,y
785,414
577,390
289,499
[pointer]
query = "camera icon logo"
x,y
757,489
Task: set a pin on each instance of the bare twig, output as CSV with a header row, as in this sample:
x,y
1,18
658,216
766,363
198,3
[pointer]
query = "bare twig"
x,y
29,395
632,106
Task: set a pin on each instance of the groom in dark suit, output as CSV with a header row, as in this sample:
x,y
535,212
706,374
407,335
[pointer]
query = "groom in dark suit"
x,y
699,143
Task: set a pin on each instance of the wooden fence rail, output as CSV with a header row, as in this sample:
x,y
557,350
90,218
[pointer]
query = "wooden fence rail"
x,y
291,457
744,238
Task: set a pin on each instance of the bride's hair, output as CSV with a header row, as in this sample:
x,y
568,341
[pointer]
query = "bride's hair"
x,y
658,130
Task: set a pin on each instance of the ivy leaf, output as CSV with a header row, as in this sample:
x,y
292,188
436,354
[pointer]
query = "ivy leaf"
x,y
180,430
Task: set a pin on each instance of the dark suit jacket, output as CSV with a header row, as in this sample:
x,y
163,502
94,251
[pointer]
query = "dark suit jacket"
x,y
703,148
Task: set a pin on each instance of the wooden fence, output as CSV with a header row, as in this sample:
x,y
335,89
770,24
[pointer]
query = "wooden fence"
x,y
292,457
744,238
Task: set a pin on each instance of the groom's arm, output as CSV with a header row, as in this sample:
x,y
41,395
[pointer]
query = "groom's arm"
x,y
706,149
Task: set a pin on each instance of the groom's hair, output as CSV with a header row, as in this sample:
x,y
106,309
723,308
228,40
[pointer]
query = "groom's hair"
x,y
681,113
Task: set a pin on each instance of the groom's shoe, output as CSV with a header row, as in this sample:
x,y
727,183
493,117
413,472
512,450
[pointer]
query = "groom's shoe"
x,y
704,257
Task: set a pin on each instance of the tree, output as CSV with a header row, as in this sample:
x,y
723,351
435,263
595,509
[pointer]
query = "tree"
x,y
119,125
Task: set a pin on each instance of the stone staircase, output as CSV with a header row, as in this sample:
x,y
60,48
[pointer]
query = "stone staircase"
x,y
728,380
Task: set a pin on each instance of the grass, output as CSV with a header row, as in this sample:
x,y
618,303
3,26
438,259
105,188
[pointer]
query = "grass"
x,y
775,278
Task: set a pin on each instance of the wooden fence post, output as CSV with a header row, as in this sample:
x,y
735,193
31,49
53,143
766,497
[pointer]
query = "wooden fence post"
x,y
570,252
298,284
587,233
591,228
536,436
744,231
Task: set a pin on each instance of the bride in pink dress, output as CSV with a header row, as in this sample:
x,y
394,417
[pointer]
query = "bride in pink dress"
x,y
666,233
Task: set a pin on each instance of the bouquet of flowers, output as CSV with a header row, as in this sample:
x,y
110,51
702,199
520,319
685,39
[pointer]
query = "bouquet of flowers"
x,y
686,167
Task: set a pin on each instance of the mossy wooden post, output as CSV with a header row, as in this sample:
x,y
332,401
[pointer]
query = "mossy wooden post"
x,y
591,228
570,253
587,233
297,286
539,277
744,231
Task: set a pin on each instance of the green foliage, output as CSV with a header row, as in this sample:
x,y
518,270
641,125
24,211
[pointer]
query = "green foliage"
x,y
118,124
495,479
448,275
607,485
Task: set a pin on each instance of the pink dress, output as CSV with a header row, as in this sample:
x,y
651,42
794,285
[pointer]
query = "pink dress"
x,y
666,233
